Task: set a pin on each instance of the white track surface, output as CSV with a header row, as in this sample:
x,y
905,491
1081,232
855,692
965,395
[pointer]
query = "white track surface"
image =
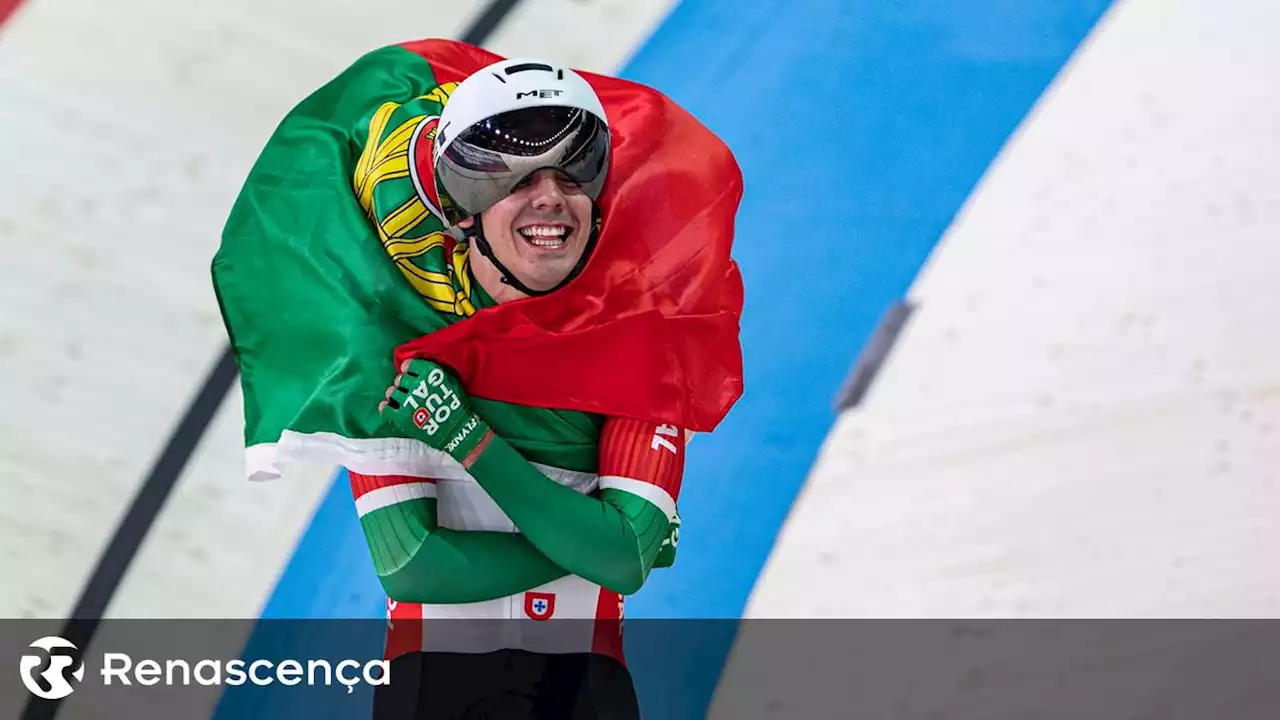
x,y
127,128
1083,417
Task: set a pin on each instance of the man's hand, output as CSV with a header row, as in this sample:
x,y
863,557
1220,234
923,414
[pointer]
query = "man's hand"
x,y
429,404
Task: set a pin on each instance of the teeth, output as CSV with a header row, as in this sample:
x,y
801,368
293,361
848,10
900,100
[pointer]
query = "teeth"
x,y
544,231
548,236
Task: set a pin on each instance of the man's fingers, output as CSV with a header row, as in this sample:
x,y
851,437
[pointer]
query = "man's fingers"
x,y
399,390
396,397
417,367
411,371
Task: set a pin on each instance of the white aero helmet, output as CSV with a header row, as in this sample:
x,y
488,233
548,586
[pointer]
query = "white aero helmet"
x,y
509,120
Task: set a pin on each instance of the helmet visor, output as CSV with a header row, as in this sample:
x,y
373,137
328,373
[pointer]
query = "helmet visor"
x,y
486,162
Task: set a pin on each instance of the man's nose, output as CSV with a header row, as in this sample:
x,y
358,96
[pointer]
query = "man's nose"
x,y
547,194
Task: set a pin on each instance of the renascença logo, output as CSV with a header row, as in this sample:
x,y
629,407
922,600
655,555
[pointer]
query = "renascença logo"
x,y
54,682
49,675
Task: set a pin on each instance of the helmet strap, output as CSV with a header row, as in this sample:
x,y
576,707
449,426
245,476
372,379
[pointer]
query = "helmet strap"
x,y
475,234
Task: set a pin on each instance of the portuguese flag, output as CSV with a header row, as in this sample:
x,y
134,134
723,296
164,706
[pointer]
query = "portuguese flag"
x,y
335,265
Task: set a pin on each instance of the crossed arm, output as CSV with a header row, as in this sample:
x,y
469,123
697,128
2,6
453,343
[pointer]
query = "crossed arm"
x,y
613,539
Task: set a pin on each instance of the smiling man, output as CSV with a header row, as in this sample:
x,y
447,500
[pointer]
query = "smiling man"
x,y
520,158
569,267
535,239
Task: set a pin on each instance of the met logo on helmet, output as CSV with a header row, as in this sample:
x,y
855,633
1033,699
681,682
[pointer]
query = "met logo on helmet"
x,y
543,94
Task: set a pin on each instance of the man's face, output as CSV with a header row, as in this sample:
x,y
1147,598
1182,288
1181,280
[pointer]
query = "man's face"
x,y
540,230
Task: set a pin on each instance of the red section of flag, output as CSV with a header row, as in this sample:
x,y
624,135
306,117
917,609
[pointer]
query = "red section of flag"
x,y
420,149
7,7
650,329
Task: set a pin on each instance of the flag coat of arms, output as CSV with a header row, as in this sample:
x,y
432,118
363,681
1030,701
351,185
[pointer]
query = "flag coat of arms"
x,y
335,265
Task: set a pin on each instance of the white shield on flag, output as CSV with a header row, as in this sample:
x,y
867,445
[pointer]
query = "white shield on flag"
x,y
539,606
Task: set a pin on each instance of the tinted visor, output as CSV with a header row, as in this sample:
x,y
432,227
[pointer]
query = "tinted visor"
x,y
486,162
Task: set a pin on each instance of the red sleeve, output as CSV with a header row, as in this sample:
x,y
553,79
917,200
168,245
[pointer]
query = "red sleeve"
x,y
649,452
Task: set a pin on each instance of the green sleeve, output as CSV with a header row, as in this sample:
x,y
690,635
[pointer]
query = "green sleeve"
x,y
612,541
419,562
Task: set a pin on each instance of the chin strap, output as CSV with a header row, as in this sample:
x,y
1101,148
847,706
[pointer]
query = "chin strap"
x,y
475,235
